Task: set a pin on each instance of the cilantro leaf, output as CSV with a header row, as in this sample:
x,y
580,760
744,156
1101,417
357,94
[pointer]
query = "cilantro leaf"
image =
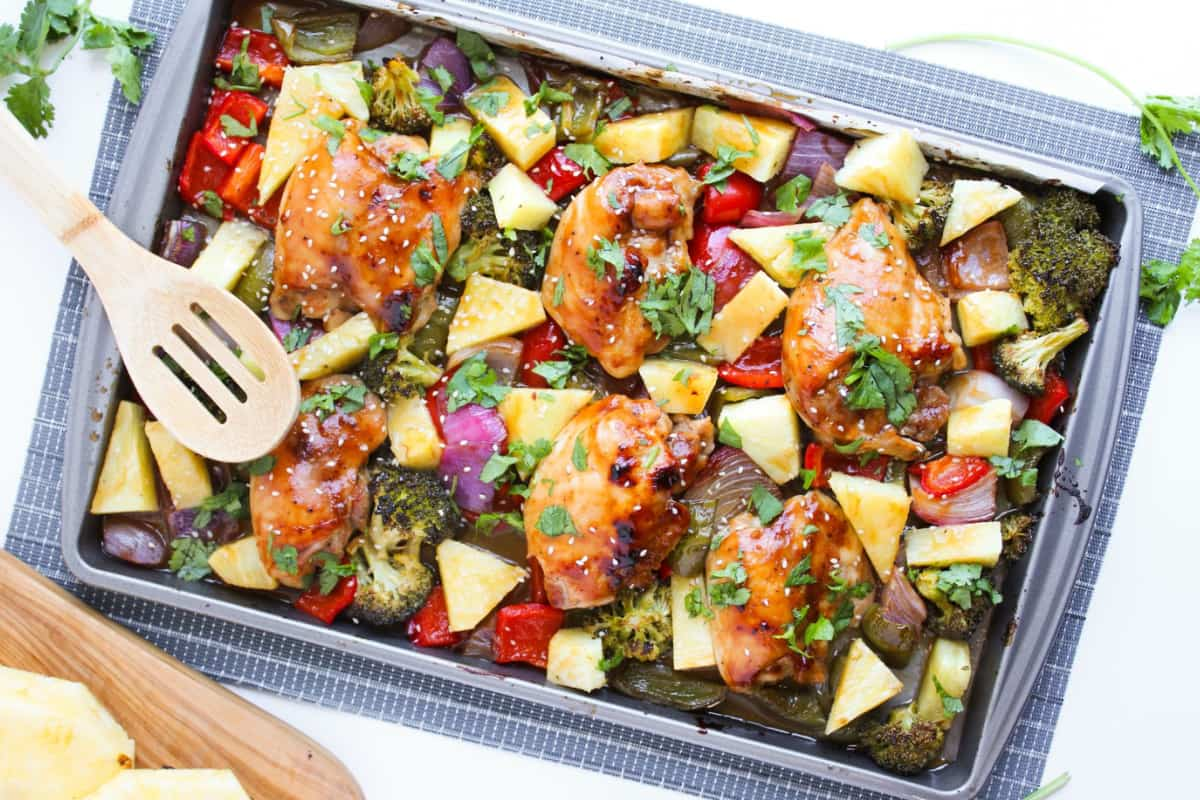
x,y
951,705
30,103
555,521
833,210
296,338
379,343
234,128
726,586
766,505
1165,286
477,51
792,193
330,570
693,603
727,435
454,160
189,558
799,575
408,167
425,265
879,379
335,129
848,321
808,253
607,253
345,398
474,382
545,94
588,157
488,103
718,174
680,303
874,235
579,455
261,465
487,522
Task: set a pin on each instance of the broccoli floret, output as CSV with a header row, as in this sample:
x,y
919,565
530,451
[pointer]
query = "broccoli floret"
x,y
486,158
922,222
960,595
395,372
516,257
410,503
1022,360
637,626
399,103
1016,531
1058,261
905,744
392,585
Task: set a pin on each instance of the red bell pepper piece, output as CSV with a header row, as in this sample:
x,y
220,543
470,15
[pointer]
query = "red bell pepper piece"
x,y
727,205
557,175
722,260
430,627
202,172
265,216
760,367
523,633
326,607
950,474
264,52
241,187
242,107
1045,407
982,358
537,345
821,461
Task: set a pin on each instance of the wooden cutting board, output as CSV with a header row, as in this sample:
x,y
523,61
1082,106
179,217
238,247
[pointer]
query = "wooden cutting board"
x,y
176,716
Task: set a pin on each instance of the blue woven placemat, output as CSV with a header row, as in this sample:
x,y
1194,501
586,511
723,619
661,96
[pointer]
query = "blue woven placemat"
x,y
924,93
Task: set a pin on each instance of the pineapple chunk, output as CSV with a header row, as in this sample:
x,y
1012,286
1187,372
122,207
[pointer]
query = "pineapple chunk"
x,y
691,637
172,784
973,543
772,247
524,139
980,430
770,434
56,740
950,663
184,472
878,512
126,480
490,309
744,318
519,202
890,166
866,683
444,137
336,351
647,138
414,439
239,564
475,581
678,387
713,127
988,315
230,252
573,660
973,202
532,414
306,94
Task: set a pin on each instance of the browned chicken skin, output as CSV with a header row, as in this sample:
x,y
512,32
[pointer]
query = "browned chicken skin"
x,y
316,494
621,506
898,306
745,637
647,210
381,219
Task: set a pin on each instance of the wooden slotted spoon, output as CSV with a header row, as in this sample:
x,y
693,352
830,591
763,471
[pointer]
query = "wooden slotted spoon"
x,y
156,309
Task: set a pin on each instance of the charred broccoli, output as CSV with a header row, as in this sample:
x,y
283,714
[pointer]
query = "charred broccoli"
x,y
516,257
410,508
1022,360
1058,260
1016,530
392,372
961,595
486,158
400,103
636,626
392,584
905,744
921,223
410,503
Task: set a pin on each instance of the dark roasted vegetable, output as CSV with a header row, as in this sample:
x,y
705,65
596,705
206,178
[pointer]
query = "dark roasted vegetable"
x,y
960,597
394,372
1022,360
922,222
800,706
637,626
317,37
400,103
905,744
1016,530
895,642
429,342
658,683
134,539
689,555
392,584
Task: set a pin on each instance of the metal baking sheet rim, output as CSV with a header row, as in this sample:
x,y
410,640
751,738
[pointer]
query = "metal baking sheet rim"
x,y
1007,671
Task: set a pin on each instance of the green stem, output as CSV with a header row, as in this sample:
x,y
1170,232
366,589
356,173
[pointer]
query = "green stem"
x,y
85,12
1111,79
1050,788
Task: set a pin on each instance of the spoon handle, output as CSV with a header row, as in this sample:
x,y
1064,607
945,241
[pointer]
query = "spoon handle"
x,y
98,245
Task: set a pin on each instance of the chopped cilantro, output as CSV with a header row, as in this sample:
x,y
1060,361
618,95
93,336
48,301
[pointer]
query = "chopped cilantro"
x,y
189,558
474,382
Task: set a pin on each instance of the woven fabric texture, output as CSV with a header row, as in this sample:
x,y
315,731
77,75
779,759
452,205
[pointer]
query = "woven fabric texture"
x,y
926,94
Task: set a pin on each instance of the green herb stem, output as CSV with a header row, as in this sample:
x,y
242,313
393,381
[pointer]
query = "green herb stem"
x,y
1050,788
1076,60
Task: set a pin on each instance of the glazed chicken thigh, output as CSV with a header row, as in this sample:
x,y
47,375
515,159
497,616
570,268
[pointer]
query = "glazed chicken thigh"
x,y
316,495
898,306
808,546
646,212
600,515
349,233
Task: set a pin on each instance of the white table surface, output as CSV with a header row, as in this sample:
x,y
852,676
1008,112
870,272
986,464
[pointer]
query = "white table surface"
x,y
1131,707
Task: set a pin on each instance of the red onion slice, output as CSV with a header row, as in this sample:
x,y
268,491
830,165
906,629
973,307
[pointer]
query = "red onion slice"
x,y
443,52
811,149
473,433
183,242
975,387
502,355
729,478
900,603
975,503
770,219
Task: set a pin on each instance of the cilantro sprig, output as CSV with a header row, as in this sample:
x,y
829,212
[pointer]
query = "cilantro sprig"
x,y
680,304
474,382
1165,286
46,34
